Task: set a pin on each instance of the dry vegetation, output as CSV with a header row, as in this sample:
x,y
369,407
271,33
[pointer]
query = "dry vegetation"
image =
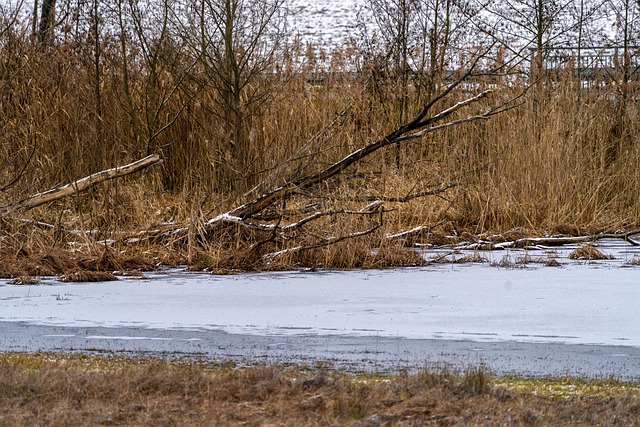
x,y
565,161
588,252
57,390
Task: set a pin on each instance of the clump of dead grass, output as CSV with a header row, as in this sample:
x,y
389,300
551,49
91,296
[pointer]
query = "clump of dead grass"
x,y
510,261
473,258
43,255
87,276
547,261
394,256
506,261
551,262
588,252
23,280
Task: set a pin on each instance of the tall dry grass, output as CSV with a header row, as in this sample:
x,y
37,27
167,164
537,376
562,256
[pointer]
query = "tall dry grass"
x,y
567,156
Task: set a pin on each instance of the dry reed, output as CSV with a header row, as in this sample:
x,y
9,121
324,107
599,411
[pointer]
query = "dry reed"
x,y
556,160
588,252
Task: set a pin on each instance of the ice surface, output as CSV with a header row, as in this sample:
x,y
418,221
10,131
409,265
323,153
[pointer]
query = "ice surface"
x,y
578,303
325,23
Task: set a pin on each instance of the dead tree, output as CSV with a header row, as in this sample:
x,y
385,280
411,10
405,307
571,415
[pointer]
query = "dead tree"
x,y
250,216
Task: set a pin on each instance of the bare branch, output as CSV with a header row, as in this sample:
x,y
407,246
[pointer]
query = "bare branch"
x,y
80,185
21,173
327,242
406,198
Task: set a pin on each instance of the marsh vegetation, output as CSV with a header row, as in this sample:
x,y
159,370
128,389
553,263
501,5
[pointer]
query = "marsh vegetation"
x,y
425,128
56,390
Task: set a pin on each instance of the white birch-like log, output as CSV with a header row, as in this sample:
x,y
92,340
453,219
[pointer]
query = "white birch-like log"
x,y
80,185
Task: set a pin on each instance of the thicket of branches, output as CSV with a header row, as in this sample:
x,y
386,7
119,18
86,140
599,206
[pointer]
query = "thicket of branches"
x,y
251,121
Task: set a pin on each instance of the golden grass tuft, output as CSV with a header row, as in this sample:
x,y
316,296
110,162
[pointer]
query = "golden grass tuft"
x,y
395,256
588,252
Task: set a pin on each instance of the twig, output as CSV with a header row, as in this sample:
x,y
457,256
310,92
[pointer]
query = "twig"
x,y
330,241
22,171
406,198
413,232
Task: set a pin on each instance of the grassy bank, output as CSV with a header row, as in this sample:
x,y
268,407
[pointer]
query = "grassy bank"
x,y
55,389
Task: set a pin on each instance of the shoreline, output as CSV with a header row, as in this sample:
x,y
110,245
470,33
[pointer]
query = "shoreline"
x,y
353,354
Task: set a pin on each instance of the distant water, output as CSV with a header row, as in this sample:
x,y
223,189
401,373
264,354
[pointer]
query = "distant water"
x,y
325,23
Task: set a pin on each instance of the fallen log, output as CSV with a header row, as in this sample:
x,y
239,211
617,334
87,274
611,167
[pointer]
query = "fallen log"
x,y
251,214
80,185
552,241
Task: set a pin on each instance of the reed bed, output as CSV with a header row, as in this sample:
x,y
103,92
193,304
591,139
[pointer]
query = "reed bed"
x,y
564,161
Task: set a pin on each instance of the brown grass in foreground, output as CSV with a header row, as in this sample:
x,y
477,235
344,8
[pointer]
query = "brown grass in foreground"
x,y
57,390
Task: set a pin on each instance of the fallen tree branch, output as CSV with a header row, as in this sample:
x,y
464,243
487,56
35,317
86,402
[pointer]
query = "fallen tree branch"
x,y
257,205
425,121
330,241
414,232
409,233
209,227
271,238
413,128
80,185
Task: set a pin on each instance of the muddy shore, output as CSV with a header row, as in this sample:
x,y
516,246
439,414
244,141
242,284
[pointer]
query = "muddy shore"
x,y
350,353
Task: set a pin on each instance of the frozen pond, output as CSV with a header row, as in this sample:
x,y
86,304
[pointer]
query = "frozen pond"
x,y
579,318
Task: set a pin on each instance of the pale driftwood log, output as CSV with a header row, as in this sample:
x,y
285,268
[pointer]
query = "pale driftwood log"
x,y
80,185
554,241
